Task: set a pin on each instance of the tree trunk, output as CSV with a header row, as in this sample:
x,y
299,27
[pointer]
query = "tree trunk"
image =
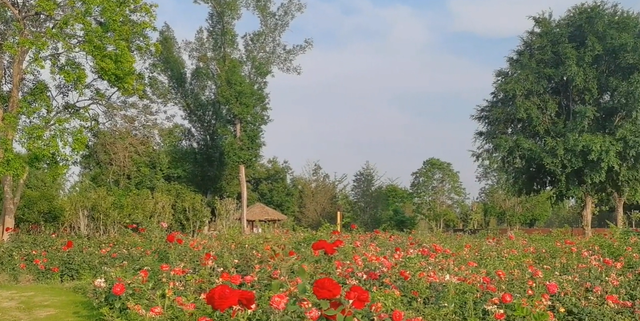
x,y
243,187
8,207
619,200
587,214
10,202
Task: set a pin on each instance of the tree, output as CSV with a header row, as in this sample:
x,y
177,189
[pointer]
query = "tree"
x,y
562,111
397,210
225,96
318,195
42,198
514,210
366,197
271,184
89,48
438,194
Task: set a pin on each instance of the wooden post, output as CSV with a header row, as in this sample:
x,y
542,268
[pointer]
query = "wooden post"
x,y
339,220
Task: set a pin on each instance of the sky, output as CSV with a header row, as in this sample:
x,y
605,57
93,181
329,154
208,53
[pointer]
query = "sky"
x,y
392,82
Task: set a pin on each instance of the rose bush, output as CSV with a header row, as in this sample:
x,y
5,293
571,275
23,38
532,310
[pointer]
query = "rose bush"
x,y
163,274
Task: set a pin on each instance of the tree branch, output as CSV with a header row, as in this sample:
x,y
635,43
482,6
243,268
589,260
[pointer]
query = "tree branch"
x,y
20,189
13,10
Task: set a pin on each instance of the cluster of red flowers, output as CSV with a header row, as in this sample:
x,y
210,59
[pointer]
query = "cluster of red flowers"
x,y
224,297
68,246
329,289
173,237
328,248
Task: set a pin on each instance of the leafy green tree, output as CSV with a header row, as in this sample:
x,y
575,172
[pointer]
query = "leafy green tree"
x,y
319,195
397,208
120,158
89,49
563,113
438,194
366,197
271,183
41,203
225,96
513,210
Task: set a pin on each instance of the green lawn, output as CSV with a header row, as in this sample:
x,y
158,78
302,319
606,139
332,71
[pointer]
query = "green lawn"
x,y
44,302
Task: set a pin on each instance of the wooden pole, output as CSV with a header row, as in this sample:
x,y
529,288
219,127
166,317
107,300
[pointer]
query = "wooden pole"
x,y
339,220
243,187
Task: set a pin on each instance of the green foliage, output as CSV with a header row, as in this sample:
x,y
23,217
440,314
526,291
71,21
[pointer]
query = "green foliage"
x,y
42,203
438,194
120,157
367,197
226,89
92,210
270,183
67,35
515,210
319,196
89,49
398,214
561,114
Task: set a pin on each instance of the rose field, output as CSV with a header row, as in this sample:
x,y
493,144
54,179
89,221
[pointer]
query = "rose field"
x,y
154,273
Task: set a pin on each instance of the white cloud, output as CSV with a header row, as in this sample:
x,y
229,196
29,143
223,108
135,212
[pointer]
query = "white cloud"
x,y
373,88
500,18
506,18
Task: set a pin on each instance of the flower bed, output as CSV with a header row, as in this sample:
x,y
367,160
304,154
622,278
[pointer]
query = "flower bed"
x,y
341,276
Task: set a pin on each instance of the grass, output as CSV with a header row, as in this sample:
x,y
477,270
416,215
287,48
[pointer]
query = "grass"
x,y
45,303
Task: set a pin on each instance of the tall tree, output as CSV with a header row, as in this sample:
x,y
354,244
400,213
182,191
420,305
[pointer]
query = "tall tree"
x,y
318,195
231,79
397,208
562,111
366,197
89,49
437,191
271,183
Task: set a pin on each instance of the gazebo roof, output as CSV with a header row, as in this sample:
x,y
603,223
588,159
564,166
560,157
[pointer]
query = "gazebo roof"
x,y
260,212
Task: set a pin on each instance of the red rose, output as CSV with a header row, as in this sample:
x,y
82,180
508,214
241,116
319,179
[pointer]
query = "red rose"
x,y
118,289
397,315
358,296
552,288
329,248
156,311
326,289
172,237
247,299
506,298
319,245
222,297
68,246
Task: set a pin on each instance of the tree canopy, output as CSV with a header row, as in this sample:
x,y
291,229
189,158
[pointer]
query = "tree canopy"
x,y
564,110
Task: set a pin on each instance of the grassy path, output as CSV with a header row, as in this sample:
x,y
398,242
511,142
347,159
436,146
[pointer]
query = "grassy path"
x,y
45,303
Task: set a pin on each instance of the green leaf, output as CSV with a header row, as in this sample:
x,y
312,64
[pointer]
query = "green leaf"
x,y
302,273
276,286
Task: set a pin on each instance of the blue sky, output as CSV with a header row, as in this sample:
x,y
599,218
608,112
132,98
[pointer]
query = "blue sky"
x,y
393,82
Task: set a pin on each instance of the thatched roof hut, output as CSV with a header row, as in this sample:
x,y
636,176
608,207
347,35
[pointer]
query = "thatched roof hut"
x,y
259,212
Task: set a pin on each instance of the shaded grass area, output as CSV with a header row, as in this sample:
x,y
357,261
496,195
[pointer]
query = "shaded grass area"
x,y
45,303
